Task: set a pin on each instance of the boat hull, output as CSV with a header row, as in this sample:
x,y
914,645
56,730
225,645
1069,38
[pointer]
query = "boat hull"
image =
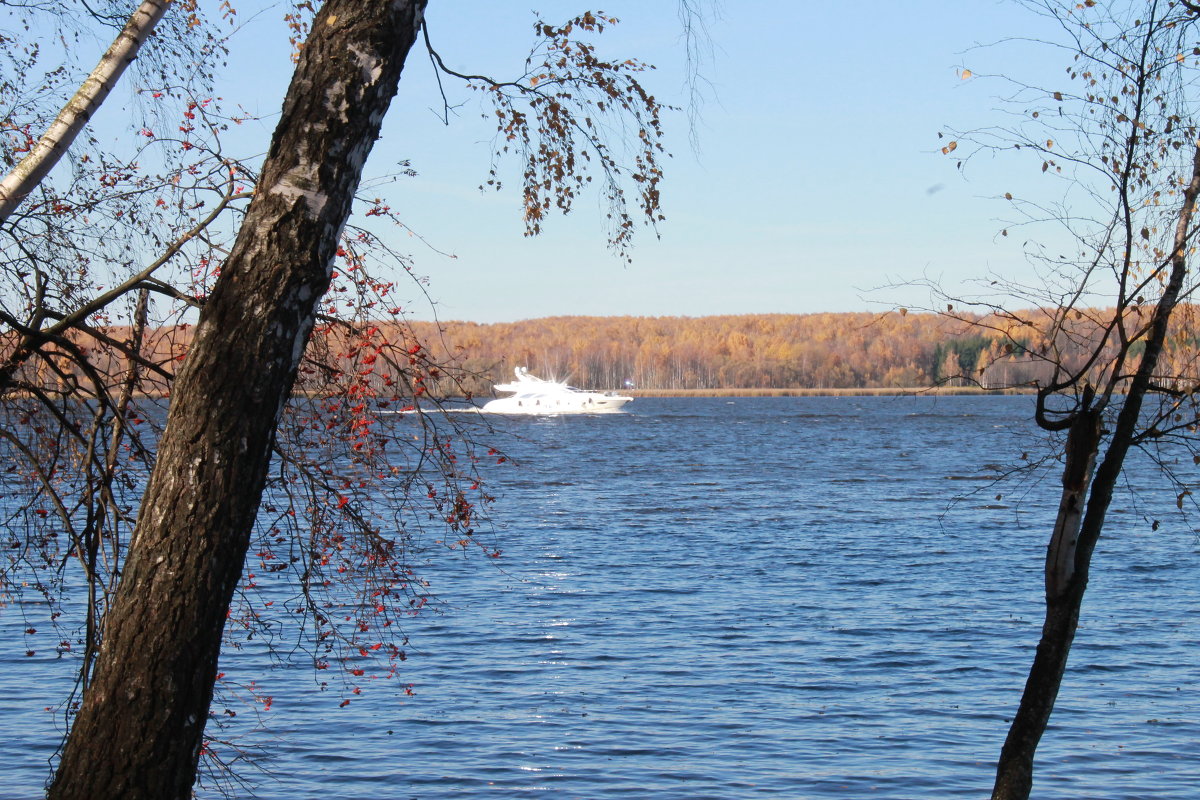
x,y
533,395
586,403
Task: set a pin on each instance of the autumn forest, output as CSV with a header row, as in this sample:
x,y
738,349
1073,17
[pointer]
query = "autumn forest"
x,y
843,351
896,349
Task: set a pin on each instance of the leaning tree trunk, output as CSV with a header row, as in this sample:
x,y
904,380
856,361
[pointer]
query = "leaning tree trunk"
x,y
1069,556
139,730
1065,585
52,145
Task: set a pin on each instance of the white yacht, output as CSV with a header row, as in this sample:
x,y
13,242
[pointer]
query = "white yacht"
x,y
534,395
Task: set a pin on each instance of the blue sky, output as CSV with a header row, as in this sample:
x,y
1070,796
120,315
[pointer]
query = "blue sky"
x,y
818,178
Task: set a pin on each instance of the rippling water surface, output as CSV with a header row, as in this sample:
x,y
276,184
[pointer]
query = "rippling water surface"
x,y
713,598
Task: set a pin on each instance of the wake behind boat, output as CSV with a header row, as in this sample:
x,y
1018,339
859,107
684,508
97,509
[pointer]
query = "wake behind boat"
x,y
534,395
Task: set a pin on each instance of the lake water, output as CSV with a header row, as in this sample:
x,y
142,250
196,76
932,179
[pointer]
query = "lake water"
x,y
712,598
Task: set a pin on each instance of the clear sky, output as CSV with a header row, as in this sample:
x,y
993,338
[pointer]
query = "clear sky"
x,y
818,177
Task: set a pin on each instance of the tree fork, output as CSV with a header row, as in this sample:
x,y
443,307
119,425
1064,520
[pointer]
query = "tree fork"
x,y
1069,559
139,730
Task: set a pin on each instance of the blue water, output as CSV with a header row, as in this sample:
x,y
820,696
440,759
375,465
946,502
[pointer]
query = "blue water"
x,y
711,598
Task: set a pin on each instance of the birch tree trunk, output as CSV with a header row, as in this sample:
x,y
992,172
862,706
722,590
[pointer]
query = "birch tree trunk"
x,y
139,730
49,149
1076,533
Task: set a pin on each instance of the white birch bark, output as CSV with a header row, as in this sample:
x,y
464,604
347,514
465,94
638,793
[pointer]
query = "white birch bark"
x,y
49,149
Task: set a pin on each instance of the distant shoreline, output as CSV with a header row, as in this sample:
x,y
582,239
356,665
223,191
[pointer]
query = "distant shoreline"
x,y
848,392
870,391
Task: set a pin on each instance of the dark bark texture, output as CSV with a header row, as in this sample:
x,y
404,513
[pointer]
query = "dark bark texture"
x,y
139,730
1014,775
